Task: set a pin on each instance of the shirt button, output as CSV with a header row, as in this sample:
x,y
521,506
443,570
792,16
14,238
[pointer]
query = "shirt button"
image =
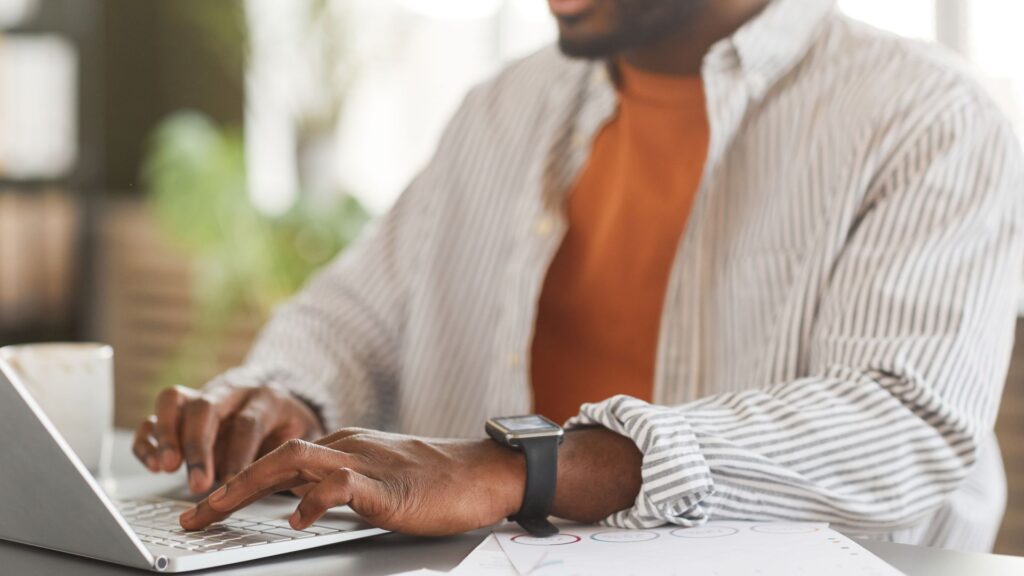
x,y
543,226
514,360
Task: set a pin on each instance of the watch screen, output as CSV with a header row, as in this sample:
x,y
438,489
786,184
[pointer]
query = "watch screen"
x,y
524,423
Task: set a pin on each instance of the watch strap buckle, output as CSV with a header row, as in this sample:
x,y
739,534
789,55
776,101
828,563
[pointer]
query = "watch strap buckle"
x,y
539,527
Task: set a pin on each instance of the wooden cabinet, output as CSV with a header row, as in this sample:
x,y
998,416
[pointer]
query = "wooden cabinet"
x,y
39,233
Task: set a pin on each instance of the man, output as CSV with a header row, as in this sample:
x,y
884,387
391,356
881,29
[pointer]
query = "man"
x,y
767,258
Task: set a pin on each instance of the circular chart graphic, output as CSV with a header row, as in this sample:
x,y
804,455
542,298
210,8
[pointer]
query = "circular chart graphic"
x,y
556,540
704,532
624,536
784,528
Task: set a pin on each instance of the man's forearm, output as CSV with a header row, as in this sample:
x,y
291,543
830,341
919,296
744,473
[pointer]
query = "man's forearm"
x,y
598,475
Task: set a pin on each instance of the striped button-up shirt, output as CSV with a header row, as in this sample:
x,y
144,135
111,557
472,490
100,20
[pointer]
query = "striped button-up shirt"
x,y
839,317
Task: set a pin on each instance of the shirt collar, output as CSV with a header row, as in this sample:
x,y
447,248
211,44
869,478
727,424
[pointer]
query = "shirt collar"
x,y
764,49
773,42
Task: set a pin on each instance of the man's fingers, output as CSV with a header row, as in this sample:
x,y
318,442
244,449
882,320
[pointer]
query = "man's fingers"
x,y
198,426
144,445
294,461
343,487
199,423
202,514
339,435
168,415
245,434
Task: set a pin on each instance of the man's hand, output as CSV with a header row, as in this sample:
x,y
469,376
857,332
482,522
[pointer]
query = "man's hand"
x,y
401,483
427,486
219,433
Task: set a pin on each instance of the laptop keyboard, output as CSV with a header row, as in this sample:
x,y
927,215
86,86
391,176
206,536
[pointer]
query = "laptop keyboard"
x,y
155,520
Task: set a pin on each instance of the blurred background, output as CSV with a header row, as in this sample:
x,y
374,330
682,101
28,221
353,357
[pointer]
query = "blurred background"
x,y
172,169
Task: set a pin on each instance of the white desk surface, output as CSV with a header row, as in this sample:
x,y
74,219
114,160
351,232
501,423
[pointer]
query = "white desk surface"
x,y
393,553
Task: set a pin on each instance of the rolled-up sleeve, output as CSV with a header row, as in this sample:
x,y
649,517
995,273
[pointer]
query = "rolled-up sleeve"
x,y
906,358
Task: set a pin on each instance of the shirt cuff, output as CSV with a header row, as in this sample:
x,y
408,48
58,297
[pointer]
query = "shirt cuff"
x,y
676,478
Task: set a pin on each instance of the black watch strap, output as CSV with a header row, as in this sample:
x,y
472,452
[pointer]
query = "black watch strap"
x,y
541,475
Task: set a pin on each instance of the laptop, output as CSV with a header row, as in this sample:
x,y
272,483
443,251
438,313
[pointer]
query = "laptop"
x,y
49,499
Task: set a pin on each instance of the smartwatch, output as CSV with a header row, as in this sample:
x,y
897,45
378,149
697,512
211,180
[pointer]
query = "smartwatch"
x,y
538,439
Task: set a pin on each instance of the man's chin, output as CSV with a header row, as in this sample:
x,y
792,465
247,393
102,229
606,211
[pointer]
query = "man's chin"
x,y
589,48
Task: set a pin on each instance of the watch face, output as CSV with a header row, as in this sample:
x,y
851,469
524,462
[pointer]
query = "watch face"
x,y
523,424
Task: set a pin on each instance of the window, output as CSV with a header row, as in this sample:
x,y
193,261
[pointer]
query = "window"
x,y
417,60
911,18
985,32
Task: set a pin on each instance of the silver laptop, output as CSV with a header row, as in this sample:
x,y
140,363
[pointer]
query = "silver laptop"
x,y
49,499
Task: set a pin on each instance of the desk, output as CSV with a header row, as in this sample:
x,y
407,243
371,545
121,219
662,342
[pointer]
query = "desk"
x,y
391,553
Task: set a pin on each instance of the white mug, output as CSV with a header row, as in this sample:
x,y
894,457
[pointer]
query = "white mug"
x,y
73,383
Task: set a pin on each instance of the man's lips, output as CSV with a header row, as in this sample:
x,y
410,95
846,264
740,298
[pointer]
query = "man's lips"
x,y
569,7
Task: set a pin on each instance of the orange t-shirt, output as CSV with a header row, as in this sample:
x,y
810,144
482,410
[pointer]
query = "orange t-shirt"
x,y
596,331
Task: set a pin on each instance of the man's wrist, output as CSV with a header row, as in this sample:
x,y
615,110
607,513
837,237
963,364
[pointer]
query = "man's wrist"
x,y
316,413
598,474
507,475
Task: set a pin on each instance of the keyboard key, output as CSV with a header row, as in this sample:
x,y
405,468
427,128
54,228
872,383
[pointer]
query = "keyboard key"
x,y
256,539
147,524
240,523
288,533
229,536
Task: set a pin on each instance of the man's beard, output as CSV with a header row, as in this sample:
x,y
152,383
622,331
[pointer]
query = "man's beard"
x,y
641,22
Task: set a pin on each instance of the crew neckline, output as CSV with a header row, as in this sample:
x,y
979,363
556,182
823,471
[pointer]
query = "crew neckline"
x,y
654,88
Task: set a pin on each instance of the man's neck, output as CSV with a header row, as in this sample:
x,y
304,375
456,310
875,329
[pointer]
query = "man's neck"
x,y
682,52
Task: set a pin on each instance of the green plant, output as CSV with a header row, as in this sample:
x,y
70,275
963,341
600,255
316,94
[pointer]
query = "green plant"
x,y
245,262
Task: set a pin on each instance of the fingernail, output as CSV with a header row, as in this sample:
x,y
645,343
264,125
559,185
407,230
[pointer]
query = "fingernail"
x,y
195,477
151,463
187,515
167,458
218,494
296,519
